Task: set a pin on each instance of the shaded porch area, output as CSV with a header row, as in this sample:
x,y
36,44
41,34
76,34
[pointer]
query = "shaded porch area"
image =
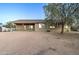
x,y
25,26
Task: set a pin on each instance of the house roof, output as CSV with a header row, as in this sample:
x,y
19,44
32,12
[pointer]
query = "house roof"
x,y
28,21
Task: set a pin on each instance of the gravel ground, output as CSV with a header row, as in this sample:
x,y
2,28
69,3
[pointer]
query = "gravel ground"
x,y
38,43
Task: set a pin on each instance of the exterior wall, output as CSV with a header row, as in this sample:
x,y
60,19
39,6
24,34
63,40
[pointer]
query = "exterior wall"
x,y
25,27
67,28
30,27
39,27
36,27
4,29
19,27
59,28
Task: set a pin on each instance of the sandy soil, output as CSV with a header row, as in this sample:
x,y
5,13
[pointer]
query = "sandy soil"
x,y
38,43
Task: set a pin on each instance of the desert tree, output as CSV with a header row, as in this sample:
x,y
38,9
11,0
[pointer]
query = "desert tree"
x,y
9,25
66,13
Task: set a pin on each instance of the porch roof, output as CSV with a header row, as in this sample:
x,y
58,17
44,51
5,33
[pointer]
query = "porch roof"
x,y
28,21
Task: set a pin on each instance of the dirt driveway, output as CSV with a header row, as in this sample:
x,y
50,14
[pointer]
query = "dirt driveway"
x,y
36,43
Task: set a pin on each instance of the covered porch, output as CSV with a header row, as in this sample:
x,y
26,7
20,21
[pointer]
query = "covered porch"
x,y
25,26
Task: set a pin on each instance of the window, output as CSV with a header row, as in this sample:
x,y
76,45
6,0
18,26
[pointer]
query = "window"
x,y
40,25
31,27
24,27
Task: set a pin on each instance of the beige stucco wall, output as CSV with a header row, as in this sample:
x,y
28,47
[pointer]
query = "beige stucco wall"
x,y
59,28
37,27
67,28
19,27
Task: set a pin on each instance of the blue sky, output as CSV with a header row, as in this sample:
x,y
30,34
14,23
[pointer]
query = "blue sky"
x,y
15,11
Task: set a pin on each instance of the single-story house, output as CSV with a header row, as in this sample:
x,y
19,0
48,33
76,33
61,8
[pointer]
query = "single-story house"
x,y
36,25
29,25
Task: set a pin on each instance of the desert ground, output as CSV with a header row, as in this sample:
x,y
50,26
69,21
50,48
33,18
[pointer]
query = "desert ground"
x,y
39,43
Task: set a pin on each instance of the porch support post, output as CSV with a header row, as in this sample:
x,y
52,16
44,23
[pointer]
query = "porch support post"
x,y
23,26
